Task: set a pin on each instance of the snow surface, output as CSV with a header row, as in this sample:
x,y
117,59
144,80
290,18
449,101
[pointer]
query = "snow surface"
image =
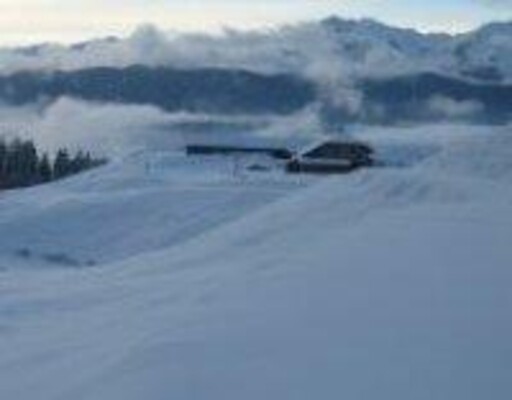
x,y
391,283
149,200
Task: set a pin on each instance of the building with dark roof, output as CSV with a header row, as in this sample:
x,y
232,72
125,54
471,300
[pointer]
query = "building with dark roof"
x,y
332,156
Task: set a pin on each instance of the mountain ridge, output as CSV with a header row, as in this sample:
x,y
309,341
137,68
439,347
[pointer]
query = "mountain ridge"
x,y
331,62
365,46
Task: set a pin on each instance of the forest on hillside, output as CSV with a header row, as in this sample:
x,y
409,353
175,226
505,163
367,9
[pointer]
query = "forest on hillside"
x,y
23,165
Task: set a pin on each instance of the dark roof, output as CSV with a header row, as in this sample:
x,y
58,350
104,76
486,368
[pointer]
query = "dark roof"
x,y
280,153
339,150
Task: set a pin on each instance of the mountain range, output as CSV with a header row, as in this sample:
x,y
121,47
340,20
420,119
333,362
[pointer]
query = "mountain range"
x,y
356,70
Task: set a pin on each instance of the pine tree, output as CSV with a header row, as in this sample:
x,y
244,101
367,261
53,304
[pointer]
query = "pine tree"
x,y
79,162
29,163
62,164
14,163
3,160
45,172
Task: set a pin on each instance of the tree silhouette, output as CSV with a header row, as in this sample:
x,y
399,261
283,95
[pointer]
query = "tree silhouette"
x,y
62,164
45,172
21,165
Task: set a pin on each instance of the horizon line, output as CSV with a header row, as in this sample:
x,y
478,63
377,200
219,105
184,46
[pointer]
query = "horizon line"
x,y
225,29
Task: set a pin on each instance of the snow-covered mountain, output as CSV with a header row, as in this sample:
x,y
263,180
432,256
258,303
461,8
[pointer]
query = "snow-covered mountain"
x,y
380,49
485,54
342,66
361,47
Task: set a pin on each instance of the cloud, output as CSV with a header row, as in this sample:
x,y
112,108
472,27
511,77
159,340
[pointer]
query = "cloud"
x,y
108,130
306,48
117,130
305,124
450,108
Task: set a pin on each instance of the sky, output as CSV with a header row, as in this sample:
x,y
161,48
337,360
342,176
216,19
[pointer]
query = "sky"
x,y
35,21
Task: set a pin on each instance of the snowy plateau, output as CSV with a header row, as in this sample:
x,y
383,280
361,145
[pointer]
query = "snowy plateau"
x,y
161,276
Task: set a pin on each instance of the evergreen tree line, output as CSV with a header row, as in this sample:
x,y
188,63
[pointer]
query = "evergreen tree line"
x,y
22,165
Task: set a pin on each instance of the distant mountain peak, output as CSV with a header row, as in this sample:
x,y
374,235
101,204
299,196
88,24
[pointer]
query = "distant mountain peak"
x,y
343,25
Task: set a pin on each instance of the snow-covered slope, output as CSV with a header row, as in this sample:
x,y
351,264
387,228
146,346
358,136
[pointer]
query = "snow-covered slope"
x,y
392,283
149,200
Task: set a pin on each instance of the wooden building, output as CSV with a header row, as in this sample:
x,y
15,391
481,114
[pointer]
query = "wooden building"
x,y
332,156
